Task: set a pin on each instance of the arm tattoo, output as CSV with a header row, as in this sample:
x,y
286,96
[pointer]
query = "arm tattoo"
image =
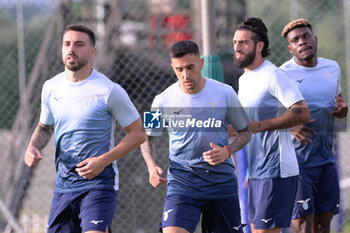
x,y
296,111
288,124
148,147
41,136
240,140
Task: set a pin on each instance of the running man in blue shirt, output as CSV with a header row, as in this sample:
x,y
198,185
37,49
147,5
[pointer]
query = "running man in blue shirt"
x,y
81,106
318,186
274,104
201,174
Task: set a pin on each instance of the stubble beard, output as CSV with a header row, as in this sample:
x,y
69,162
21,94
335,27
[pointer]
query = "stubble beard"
x,y
77,65
307,58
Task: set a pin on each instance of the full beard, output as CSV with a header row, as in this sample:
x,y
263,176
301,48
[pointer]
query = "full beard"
x,y
247,61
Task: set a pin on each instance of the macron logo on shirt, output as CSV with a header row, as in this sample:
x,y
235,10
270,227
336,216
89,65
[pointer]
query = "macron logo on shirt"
x,y
236,228
266,220
96,222
57,98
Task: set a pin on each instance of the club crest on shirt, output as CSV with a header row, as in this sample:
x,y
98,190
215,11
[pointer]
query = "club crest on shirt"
x,y
328,74
91,100
212,105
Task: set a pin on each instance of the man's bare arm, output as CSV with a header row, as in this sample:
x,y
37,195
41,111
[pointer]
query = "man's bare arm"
x,y
41,136
155,172
38,141
297,114
219,154
240,140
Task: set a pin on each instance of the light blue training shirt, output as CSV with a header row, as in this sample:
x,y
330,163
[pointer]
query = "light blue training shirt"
x,y
266,93
193,122
84,115
319,85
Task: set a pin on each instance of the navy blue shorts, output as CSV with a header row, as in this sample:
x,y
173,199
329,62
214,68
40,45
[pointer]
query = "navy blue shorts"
x,y
270,202
318,191
217,215
91,210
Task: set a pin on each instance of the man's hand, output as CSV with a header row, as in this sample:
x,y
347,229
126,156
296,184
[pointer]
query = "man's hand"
x,y
155,178
217,155
303,133
90,168
32,157
342,108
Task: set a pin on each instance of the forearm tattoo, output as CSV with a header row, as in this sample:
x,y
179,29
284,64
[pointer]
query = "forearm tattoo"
x,y
41,136
240,140
296,111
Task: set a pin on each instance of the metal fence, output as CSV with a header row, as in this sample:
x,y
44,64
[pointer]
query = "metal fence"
x,y
132,41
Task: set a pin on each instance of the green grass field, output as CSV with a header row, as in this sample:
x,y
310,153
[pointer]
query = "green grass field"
x,y
347,228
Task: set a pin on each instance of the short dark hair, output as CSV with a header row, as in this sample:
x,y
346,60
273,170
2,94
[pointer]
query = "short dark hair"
x,y
181,48
82,28
257,26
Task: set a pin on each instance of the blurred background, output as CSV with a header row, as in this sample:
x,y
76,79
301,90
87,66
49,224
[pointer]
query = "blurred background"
x,y
133,37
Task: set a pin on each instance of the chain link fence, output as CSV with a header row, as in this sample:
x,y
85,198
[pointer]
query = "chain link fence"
x,y
132,41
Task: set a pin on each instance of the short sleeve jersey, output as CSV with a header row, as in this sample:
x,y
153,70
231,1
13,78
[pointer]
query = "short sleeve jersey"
x,y
84,115
266,93
193,122
319,85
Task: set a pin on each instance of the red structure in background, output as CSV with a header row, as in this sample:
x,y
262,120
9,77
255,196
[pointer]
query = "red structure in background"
x,y
173,28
